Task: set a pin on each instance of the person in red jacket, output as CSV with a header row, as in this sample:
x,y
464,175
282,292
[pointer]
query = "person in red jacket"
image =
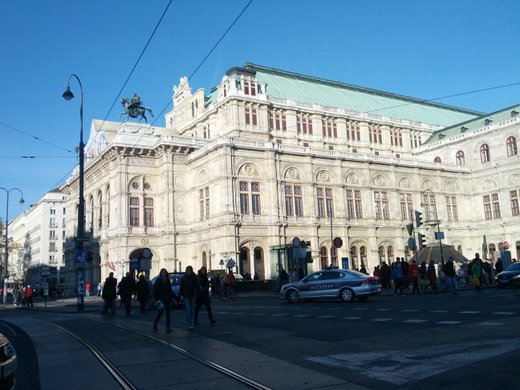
x,y
413,276
29,294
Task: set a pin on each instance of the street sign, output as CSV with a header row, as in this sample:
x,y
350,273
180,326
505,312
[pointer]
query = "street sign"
x,y
411,243
81,256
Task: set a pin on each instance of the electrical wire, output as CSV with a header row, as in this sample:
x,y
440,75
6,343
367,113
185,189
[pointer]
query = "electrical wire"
x,y
34,137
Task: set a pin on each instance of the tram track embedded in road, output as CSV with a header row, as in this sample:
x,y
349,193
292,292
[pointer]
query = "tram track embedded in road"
x,y
126,383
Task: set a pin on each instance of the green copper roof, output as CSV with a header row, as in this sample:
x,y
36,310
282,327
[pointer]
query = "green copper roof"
x,y
312,90
476,123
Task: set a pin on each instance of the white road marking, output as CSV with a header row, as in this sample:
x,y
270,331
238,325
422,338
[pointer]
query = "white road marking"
x,y
469,312
409,310
414,321
412,365
326,317
279,315
504,313
449,322
492,323
301,315
383,309
381,319
438,311
351,318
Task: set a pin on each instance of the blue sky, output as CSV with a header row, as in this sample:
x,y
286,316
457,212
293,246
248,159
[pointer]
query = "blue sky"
x,y
425,49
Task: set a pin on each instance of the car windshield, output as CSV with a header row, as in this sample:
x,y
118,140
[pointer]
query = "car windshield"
x,y
514,267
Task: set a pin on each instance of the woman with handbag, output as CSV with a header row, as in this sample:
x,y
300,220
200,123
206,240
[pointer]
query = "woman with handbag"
x,y
163,295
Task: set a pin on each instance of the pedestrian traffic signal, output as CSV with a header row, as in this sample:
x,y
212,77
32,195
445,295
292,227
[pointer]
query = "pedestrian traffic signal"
x,y
418,219
422,240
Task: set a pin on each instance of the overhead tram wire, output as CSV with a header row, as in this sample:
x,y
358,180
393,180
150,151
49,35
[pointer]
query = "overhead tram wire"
x,y
136,63
34,137
202,62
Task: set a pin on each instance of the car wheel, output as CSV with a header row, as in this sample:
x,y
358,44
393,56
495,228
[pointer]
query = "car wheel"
x,y
347,295
293,296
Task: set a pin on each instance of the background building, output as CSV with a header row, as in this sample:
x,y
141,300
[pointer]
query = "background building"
x,y
270,155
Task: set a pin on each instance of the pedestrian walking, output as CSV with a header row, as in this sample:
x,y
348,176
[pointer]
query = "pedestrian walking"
x,y
163,295
386,276
188,287
413,276
449,271
109,294
126,290
29,294
202,296
499,266
431,274
397,277
142,289
475,272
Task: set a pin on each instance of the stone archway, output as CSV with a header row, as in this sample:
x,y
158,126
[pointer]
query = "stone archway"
x,y
259,264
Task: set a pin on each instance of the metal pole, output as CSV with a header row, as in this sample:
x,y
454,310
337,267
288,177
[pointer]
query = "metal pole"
x,y
81,205
4,292
6,233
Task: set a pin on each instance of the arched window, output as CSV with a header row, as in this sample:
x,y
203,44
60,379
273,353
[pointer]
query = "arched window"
x,y
354,257
204,259
363,256
324,257
484,153
381,251
390,254
437,159
100,208
459,158
512,149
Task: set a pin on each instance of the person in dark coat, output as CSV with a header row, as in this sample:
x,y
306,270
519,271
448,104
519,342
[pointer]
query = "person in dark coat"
x,y
499,266
109,294
163,295
188,287
126,290
202,296
386,276
142,289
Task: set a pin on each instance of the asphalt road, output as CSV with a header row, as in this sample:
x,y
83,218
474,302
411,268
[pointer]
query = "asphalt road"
x,y
464,341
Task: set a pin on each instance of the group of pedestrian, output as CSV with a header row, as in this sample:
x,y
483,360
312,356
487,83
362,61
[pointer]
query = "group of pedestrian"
x,y
194,289
23,296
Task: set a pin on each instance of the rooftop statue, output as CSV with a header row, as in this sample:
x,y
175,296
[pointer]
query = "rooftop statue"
x,y
134,108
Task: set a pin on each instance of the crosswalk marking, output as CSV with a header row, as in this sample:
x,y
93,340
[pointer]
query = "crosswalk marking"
x,y
449,322
491,323
326,317
415,321
470,312
409,310
504,313
300,315
381,319
438,311
351,318
383,309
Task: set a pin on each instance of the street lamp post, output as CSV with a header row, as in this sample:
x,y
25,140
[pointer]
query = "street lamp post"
x,y
6,233
437,221
79,254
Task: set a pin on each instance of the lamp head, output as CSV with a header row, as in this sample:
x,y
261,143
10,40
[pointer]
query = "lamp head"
x,y
22,201
68,95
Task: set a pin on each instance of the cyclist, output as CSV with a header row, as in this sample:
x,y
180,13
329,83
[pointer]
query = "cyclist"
x,y
229,282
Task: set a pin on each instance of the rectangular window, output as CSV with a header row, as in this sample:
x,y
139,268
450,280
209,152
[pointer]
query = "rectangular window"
x,y
250,87
428,200
204,203
206,132
52,234
277,120
491,206
375,135
325,202
255,198
396,136
354,206
353,131
293,201
134,211
53,211
406,206
381,205
415,139
513,196
52,247
451,208
250,115
244,197
148,212
329,128
304,124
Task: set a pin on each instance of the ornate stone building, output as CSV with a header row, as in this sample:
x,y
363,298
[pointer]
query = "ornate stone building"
x,y
270,155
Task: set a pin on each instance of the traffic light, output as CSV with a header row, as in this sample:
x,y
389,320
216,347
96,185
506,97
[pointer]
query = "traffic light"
x,y
409,228
422,240
418,219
